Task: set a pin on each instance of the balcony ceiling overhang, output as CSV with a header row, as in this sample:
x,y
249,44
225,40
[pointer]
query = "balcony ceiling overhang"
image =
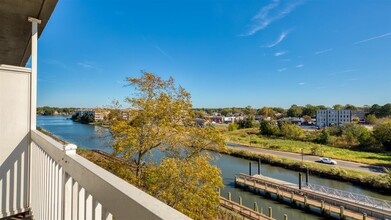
x,y
15,29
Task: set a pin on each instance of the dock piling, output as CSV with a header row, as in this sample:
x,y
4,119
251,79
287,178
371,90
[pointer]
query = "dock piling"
x,y
305,201
270,212
364,216
307,174
292,198
249,168
285,217
229,196
300,178
240,200
341,212
255,206
259,166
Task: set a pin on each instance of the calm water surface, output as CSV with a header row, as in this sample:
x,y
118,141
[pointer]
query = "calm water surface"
x,y
90,137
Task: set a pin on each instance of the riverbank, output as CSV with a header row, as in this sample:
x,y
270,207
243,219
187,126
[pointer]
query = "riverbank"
x,y
251,138
371,181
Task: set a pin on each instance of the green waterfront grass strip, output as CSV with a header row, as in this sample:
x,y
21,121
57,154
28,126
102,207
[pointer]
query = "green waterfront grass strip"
x,y
241,137
374,181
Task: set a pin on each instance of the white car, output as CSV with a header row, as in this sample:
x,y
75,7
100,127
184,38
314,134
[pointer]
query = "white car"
x,y
327,161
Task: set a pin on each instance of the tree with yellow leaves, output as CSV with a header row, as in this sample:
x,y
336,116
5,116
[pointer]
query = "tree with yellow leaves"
x,y
161,121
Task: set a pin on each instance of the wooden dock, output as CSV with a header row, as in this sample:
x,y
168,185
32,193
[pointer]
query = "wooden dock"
x,y
247,213
290,193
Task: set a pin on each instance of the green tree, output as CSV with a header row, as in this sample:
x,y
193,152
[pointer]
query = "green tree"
x,y
338,107
291,131
249,111
279,110
356,134
366,138
49,111
266,112
385,110
375,110
382,133
232,126
180,183
310,110
87,118
350,107
295,111
225,111
248,122
324,137
321,107
370,119
266,128
161,119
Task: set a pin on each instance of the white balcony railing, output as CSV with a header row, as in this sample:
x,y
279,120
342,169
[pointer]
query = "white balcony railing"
x,y
65,185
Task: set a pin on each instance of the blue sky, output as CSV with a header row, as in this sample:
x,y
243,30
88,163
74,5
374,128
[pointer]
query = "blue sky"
x,y
225,53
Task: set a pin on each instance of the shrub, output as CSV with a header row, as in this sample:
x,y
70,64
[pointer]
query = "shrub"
x,y
232,127
324,137
246,123
382,133
335,130
268,129
370,119
356,134
291,131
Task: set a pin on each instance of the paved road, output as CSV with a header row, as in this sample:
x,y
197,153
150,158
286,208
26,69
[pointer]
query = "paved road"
x,y
308,158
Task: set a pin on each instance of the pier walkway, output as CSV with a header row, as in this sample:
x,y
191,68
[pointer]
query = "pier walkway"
x,y
307,199
247,213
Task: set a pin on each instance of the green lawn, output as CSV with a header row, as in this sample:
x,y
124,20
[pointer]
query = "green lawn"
x,y
243,137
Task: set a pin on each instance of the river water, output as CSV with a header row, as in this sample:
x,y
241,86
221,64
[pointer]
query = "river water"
x,y
90,137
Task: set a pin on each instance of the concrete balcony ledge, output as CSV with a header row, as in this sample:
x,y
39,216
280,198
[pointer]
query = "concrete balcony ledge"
x,y
86,186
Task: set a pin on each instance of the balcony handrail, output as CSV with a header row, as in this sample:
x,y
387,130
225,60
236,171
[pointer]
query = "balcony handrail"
x,y
118,197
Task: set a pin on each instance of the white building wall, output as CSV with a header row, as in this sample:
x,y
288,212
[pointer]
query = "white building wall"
x,y
14,138
325,118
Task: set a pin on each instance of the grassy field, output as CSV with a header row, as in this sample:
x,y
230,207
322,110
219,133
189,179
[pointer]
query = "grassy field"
x,y
249,137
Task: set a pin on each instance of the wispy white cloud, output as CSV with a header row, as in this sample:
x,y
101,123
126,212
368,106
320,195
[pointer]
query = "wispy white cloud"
x,y
323,51
342,71
87,65
164,53
373,38
299,65
282,70
301,83
279,39
270,13
277,54
58,64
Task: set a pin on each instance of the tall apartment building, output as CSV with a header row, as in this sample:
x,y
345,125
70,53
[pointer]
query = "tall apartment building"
x,y
325,118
